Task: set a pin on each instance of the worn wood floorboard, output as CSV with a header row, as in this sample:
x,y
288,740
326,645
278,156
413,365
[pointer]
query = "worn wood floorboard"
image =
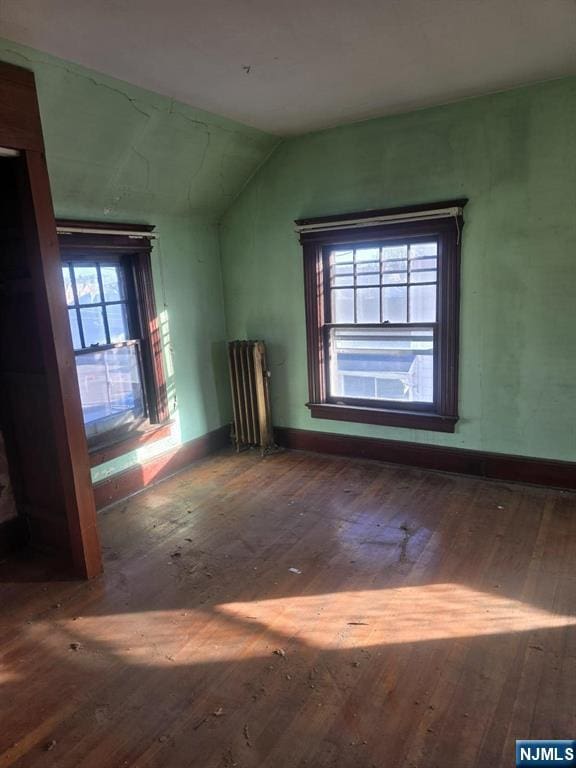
x,y
431,621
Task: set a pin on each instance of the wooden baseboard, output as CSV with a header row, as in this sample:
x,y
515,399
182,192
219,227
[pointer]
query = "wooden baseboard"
x,y
13,535
137,478
496,466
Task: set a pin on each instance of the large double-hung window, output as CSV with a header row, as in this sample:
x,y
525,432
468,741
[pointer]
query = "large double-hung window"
x,y
382,315
115,331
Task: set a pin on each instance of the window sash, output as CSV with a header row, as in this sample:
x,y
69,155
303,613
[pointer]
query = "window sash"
x,y
128,302
113,423
380,286
408,405
379,246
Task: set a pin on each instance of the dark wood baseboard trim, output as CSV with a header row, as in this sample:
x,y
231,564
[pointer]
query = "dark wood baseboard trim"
x,y
13,535
495,466
135,479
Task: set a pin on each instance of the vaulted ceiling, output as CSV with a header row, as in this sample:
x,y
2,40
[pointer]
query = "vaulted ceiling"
x,y
291,67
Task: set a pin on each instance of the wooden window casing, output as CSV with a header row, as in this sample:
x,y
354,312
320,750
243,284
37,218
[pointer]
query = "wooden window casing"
x,y
133,252
441,414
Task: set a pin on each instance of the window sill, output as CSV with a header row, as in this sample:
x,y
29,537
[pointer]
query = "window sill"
x,y
432,422
118,446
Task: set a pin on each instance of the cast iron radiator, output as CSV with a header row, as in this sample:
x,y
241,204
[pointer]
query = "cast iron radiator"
x,y
250,395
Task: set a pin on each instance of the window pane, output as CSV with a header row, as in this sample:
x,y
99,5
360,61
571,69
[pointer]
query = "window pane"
x,y
367,256
422,303
395,264
368,305
87,286
368,278
342,281
367,267
76,343
93,325
391,364
358,386
395,252
423,270
113,282
394,271
117,322
343,269
68,286
430,262
110,388
394,305
423,276
341,257
342,274
343,305
417,250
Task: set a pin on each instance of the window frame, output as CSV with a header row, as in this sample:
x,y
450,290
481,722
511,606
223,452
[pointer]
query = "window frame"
x,y
442,414
119,243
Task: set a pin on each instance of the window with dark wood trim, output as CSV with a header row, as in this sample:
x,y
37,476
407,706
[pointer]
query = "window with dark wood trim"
x,y
115,329
382,315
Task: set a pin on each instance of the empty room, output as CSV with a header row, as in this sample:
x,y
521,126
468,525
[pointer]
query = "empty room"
x,y
287,384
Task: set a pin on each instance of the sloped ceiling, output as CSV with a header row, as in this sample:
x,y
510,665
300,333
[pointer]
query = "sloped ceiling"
x,y
293,67
119,152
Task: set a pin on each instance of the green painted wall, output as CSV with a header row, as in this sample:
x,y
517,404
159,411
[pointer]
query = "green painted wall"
x,y
514,156
119,153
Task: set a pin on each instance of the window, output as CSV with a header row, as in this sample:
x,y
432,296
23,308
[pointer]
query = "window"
x,y
382,296
110,303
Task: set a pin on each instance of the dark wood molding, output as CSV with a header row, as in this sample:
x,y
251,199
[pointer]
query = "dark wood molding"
x,y
314,305
442,415
137,478
152,352
372,213
108,226
54,489
493,466
127,443
108,236
20,126
432,422
63,390
13,535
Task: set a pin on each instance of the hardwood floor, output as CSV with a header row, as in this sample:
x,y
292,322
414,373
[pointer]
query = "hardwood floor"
x,y
299,610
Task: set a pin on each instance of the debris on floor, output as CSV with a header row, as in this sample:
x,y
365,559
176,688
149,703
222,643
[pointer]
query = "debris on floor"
x,y
295,570
49,746
75,646
247,735
280,652
218,712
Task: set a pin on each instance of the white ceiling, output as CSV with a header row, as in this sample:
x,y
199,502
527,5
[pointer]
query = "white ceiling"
x,y
291,67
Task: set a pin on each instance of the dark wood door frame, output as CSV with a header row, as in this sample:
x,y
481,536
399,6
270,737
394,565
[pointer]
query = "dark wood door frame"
x,y
20,129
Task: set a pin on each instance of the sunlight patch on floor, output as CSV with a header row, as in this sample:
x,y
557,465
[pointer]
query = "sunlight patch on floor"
x,y
390,616
336,621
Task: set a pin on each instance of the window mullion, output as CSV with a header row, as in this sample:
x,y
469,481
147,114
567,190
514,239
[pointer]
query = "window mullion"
x,y
104,311
355,282
380,284
408,282
77,305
